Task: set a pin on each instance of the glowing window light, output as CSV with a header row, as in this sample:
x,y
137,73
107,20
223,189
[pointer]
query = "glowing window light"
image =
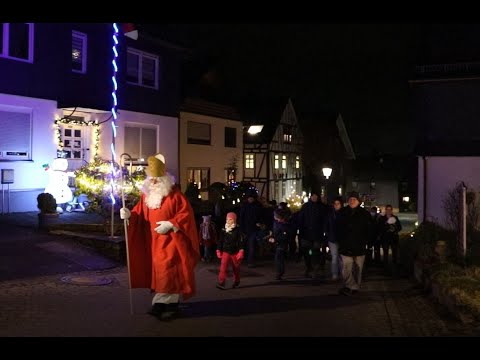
x,y
114,108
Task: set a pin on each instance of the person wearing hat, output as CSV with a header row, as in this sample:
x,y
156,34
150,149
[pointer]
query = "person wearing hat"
x,y
354,230
163,242
230,251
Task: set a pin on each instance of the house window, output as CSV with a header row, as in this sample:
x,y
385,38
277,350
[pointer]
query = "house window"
x,y
16,41
16,139
142,68
79,52
276,162
72,142
249,161
198,133
297,162
284,161
200,177
276,190
230,137
287,134
140,142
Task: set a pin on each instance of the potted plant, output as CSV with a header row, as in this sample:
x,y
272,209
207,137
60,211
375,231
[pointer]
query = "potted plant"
x,y
47,205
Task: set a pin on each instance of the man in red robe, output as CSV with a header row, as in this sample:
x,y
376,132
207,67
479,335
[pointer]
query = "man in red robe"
x,y
163,241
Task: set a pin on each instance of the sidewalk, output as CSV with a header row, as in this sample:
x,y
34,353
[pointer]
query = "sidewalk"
x,y
30,219
87,229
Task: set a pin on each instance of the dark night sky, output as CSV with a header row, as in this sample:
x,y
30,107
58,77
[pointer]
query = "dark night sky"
x,y
361,69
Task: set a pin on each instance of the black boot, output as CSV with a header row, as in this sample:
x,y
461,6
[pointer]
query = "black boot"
x,y
171,311
157,310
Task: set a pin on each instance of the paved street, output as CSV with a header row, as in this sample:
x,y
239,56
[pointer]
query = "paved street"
x,y
35,299
47,306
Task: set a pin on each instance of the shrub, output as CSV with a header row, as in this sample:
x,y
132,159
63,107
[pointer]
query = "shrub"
x,y
46,203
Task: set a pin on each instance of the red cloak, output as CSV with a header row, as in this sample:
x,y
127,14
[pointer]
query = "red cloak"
x,y
164,263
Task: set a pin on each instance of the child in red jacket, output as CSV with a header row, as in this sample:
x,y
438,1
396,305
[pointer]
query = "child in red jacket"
x,y
230,251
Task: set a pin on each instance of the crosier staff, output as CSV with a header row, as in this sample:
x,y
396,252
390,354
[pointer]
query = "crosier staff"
x,y
125,224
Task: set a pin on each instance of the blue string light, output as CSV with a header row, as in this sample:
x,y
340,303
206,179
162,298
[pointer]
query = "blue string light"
x,y
114,109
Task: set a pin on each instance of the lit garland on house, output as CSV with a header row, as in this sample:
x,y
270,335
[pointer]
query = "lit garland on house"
x,y
114,109
66,121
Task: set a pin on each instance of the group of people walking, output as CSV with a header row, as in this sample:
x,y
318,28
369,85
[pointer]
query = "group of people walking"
x,y
164,242
346,235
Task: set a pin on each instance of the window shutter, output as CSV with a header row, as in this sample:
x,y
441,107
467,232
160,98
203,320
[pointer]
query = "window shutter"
x,y
16,132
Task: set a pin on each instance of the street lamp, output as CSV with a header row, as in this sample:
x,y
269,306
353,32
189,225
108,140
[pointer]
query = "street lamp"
x,y
255,129
327,171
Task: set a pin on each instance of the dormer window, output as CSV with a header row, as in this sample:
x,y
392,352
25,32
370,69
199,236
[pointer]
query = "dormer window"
x,y
79,52
287,134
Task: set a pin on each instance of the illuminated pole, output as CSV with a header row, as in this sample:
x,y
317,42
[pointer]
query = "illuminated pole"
x,y
114,119
114,155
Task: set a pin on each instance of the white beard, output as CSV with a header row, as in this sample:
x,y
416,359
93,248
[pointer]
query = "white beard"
x,y
229,228
155,189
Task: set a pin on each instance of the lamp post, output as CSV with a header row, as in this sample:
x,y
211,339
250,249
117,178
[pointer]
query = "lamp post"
x,y
327,172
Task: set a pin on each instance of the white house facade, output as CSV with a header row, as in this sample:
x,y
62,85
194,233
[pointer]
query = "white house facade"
x,y
211,145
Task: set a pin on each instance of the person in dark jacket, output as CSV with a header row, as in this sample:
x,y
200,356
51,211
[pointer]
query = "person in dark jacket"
x,y
281,236
311,223
375,243
354,232
294,252
388,227
251,214
230,250
331,231
290,218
